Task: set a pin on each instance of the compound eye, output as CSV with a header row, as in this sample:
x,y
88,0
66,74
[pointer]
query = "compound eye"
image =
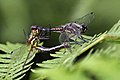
x,y
84,27
34,27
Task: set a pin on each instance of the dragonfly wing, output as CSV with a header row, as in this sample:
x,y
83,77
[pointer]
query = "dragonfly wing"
x,y
63,37
21,51
19,55
85,20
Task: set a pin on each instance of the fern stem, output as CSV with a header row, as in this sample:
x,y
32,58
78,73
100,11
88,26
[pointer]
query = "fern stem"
x,y
101,38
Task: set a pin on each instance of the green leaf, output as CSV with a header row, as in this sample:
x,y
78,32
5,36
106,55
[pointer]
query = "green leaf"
x,y
9,47
12,57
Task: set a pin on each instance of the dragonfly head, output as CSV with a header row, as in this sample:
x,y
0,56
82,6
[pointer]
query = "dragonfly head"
x,y
40,32
35,31
84,28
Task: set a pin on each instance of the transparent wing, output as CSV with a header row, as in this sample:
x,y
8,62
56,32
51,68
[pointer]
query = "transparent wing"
x,y
64,37
20,54
21,51
88,18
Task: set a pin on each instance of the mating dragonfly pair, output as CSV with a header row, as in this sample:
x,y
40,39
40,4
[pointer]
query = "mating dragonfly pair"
x,y
69,32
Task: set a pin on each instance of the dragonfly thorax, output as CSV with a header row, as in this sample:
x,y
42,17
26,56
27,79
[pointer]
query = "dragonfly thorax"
x,y
74,28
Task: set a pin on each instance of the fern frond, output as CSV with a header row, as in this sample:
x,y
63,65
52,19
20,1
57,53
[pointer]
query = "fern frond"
x,y
68,58
106,53
76,51
11,63
9,47
97,66
115,30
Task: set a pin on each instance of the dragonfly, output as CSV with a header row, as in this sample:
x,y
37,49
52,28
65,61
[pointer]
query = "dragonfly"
x,y
38,33
71,31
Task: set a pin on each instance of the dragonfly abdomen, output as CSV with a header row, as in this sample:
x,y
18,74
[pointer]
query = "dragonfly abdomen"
x,y
44,49
56,29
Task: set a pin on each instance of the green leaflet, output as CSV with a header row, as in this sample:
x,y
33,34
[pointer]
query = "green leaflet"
x,y
12,57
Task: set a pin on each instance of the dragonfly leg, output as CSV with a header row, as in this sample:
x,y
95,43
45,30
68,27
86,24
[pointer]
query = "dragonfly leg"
x,y
75,42
83,39
26,60
69,48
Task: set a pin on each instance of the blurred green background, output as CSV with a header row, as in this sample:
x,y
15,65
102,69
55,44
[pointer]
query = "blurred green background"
x,y
16,15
